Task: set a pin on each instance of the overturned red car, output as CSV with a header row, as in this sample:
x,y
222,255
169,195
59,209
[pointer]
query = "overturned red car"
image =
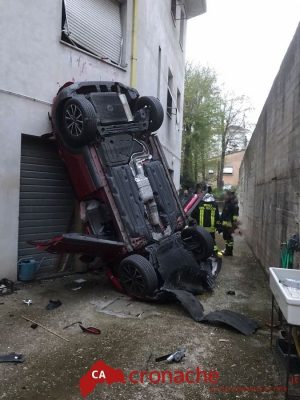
x,y
129,206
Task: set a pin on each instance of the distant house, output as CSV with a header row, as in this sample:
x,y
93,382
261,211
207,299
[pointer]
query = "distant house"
x,y
238,138
231,169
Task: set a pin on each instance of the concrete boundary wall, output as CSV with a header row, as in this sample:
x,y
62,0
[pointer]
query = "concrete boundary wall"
x,y
270,172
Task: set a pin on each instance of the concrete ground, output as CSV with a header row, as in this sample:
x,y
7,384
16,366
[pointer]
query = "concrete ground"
x,y
133,334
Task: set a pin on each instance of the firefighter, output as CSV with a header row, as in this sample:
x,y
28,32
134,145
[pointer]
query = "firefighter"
x,y
229,219
207,215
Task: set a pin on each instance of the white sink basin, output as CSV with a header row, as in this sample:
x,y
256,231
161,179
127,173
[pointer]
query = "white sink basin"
x,y
288,299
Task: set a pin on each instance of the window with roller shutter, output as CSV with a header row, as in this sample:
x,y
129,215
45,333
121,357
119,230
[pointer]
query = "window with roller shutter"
x,y
94,26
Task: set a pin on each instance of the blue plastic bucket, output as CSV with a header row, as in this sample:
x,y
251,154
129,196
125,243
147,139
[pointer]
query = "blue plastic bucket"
x,y
27,269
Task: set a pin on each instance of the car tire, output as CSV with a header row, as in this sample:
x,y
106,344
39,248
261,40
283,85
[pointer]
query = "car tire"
x,y
137,276
79,124
199,241
155,108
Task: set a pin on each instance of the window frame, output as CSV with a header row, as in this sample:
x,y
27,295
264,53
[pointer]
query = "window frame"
x,y
178,106
182,27
228,167
173,15
178,100
123,20
170,98
159,66
169,103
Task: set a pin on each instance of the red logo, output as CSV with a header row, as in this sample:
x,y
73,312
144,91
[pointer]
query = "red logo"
x,y
100,373
103,373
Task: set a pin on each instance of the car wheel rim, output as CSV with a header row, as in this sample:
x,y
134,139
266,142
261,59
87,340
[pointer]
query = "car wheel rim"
x,y
132,280
74,120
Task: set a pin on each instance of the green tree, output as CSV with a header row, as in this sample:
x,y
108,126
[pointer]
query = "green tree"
x,y
233,116
200,118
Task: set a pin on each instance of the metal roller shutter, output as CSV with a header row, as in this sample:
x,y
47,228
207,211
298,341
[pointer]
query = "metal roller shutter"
x,y
96,26
46,198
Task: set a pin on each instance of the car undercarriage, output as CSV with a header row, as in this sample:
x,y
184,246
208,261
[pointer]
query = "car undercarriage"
x,y
130,212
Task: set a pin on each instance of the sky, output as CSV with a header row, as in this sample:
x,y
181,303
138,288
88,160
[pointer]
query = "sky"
x,y
245,42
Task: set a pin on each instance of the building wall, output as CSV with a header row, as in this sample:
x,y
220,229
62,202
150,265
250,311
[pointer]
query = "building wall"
x,y
35,63
166,36
233,160
270,172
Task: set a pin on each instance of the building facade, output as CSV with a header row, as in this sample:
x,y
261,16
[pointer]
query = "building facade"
x,y
137,42
231,169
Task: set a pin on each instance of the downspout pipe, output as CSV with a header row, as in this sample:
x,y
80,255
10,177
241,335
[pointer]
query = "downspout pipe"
x,y
133,70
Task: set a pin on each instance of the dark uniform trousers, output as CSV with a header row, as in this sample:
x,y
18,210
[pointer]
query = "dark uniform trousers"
x,y
229,219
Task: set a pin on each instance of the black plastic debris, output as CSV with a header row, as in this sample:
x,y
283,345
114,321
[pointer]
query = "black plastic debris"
x,y
178,268
193,306
231,292
177,356
72,324
53,304
12,357
6,287
188,301
235,320
192,279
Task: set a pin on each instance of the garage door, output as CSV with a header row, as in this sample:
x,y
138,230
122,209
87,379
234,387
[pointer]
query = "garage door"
x,y
46,198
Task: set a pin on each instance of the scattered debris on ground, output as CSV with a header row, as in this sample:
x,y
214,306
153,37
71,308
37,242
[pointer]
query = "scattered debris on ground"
x,y
27,301
72,324
90,329
231,292
44,327
12,357
176,356
131,332
6,287
53,304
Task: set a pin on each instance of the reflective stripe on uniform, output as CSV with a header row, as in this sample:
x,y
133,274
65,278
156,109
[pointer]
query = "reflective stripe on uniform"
x,y
227,223
201,216
207,207
210,229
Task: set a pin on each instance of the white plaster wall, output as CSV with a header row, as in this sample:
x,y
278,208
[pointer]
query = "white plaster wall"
x,y
34,64
156,27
